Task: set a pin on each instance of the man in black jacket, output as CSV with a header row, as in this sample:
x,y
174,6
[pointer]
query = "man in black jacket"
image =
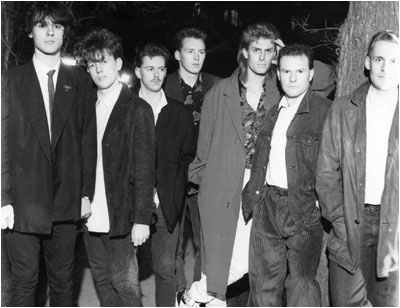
x,y
48,158
189,85
122,205
175,151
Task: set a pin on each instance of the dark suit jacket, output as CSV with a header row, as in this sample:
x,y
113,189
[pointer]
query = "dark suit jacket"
x,y
129,162
172,85
45,181
175,151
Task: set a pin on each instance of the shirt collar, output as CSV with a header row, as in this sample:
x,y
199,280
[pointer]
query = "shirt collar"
x,y
198,81
109,98
42,68
295,104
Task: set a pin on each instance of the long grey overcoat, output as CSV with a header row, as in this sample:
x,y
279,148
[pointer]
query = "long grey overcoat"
x,y
219,169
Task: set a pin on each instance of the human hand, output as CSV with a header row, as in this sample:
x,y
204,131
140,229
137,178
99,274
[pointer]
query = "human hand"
x,y
86,208
140,233
7,217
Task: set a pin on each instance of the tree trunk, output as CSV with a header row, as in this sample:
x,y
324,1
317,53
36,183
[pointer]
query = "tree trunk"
x,y
365,18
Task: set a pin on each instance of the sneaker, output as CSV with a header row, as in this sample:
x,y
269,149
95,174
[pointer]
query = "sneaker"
x,y
187,301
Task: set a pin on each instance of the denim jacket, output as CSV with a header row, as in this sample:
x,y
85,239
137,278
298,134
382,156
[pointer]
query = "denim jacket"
x,y
303,141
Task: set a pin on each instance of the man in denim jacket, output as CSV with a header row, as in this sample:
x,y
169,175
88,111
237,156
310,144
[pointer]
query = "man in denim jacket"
x,y
286,235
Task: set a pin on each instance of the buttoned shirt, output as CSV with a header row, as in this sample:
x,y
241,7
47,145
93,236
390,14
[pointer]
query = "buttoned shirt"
x,y
380,111
99,221
41,71
276,170
156,111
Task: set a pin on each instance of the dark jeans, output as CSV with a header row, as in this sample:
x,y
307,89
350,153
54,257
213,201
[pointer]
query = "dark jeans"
x,y
164,247
59,255
191,212
282,256
114,268
364,288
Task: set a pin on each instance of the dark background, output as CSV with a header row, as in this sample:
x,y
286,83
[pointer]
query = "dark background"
x,y
143,21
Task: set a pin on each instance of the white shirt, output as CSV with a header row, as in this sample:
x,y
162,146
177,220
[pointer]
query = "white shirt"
x,y
276,170
380,111
99,221
41,71
156,111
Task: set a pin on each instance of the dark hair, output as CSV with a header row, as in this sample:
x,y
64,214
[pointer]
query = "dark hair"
x,y
56,11
95,43
251,34
188,33
297,50
151,50
387,35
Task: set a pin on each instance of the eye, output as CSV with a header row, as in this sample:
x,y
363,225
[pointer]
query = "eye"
x,y
91,65
377,60
269,51
41,25
149,69
163,69
392,61
58,26
202,52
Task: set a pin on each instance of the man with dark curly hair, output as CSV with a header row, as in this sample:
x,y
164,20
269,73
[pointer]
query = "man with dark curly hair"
x,y
122,206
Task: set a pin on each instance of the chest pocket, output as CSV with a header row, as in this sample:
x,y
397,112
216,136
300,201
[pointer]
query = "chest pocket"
x,y
307,139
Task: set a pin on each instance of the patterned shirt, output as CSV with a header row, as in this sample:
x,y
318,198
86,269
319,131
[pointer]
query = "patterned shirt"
x,y
251,122
193,98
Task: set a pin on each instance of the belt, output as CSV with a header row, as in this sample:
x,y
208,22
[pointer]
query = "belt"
x,y
278,190
371,205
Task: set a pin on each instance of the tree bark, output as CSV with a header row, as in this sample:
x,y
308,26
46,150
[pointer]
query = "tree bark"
x,y
364,19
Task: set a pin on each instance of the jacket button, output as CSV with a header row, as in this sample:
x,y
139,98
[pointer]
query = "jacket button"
x,y
357,221
265,167
235,141
257,192
107,145
228,204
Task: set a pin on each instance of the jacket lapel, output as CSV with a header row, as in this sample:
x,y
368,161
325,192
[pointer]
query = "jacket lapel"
x,y
232,103
63,101
119,111
164,118
32,99
173,86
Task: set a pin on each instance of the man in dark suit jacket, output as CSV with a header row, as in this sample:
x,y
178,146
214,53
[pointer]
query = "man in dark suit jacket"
x,y
122,206
49,150
189,85
175,151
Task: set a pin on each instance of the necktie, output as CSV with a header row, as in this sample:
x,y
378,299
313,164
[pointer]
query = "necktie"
x,y
50,85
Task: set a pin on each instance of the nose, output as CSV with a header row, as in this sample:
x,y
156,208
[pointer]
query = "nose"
x,y
383,66
156,73
196,55
292,77
50,29
262,55
99,67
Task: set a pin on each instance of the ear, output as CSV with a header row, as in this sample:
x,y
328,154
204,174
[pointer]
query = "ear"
x,y
245,53
311,75
177,55
119,63
367,63
278,73
137,73
30,35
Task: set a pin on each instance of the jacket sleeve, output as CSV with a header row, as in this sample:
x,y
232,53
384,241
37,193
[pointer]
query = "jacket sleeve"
x,y
328,174
89,140
206,131
6,196
144,164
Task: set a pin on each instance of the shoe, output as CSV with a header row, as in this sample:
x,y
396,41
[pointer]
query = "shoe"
x,y
187,301
178,298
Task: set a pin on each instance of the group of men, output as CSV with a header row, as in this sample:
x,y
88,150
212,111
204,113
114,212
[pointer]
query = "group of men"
x,y
253,160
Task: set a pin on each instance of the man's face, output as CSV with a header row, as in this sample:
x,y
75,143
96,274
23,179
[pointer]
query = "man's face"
x,y
383,65
259,56
295,75
152,73
192,55
47,37
105,72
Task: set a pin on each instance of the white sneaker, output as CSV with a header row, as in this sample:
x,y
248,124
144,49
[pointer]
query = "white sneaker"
x,y
188,301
